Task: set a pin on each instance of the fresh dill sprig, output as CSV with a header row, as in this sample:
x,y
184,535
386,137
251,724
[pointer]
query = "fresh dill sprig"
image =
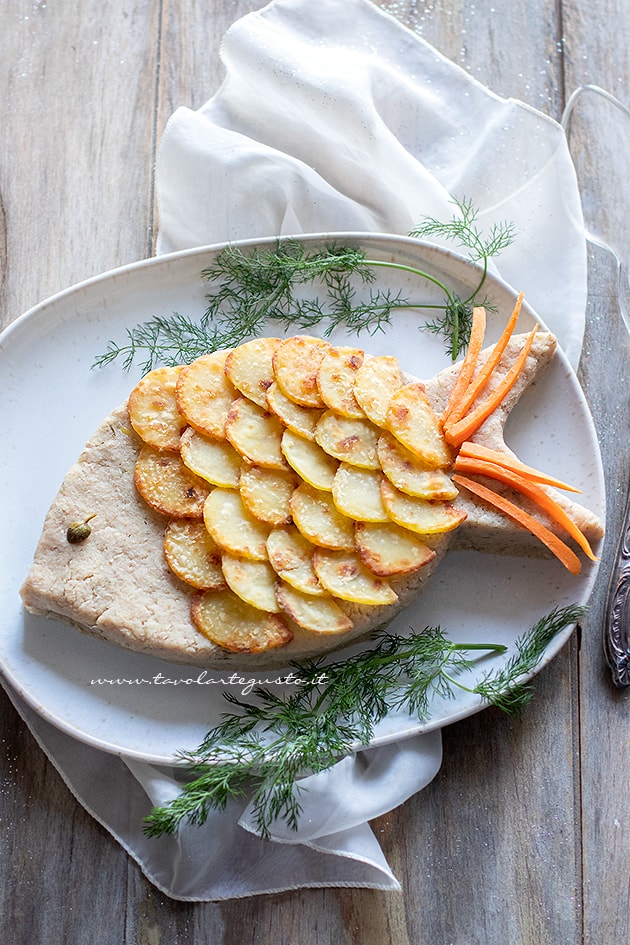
x,y
255,288
262,749
456,321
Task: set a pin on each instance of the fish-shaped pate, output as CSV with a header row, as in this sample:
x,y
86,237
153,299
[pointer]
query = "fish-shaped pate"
x,y
278,500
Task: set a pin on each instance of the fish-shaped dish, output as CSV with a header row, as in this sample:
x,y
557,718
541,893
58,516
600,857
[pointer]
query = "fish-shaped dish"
x,y
283,497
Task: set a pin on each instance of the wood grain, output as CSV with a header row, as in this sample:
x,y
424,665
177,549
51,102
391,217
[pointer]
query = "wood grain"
x,y
523,836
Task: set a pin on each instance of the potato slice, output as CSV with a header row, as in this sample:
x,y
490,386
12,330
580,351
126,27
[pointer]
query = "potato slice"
x,y
193,555
302,420
167,485
405,471
335,380
412,421
388,549
357,493
266,493
291,557
420,515
232,527
349,439
255,434
252,581
214,460
229,622
309,460
153,411
316,614
296,365
319,520
376,382
250,368
345,576
204,394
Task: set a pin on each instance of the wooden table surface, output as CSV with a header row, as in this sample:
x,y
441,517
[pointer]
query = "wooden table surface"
x,y
524,836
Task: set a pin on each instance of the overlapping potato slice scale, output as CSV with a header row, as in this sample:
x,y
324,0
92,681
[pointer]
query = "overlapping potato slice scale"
x,y
387,549
296,364
315,614
344,575
193,555
253,581
216,461
336,379
411,419
405,471
232,527
302,420
291,557
420,515
357,493
318,519
266,493
298,476
153,410
376,381
204,394
309,460
348,439
250,368
255,434
167,485
235,625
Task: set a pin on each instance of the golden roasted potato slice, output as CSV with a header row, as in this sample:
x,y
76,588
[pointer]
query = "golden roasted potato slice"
x,y
252,581
296,366
387,549
255,434
405,471
204,394
376,382
302,420
420,515
229,622
412,421
309,460
214,460
266,493
336,377
250,368
167,485
232,527
291,557
318,519
193,555
357,493
348,439
153,411
317,614
344,575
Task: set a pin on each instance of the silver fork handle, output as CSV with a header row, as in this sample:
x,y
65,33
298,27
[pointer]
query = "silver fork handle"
x,y
617,614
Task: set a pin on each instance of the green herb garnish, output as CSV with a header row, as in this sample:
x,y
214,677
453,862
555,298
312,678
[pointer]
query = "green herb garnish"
x,y
260,286
267,746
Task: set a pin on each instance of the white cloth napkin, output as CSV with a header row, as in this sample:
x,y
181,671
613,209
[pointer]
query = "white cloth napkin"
x,y
334,117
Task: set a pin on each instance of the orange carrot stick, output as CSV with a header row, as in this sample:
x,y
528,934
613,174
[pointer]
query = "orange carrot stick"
x,y
562,551
476,386
475,344
477,451
456,433
533,491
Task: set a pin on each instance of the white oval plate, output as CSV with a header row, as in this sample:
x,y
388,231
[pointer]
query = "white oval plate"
x,y
52,400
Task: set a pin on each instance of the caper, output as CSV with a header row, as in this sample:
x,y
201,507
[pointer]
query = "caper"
x,y
79,531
